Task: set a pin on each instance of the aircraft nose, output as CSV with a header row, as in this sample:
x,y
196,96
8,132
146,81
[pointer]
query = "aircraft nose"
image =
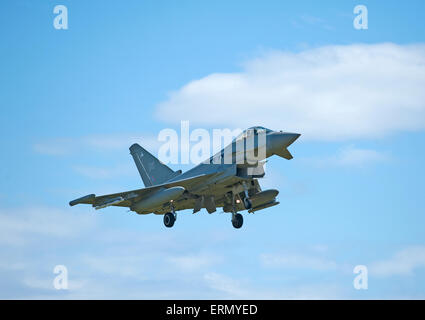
x,y
283,139
290,137
278,142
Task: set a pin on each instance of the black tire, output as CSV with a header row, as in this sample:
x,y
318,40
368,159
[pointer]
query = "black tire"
x,y
247,203
237,221
169,220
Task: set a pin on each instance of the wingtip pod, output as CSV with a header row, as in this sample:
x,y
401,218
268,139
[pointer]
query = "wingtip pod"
x,y
86,199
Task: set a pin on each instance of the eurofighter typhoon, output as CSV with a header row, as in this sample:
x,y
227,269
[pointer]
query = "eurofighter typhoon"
x,y
227,180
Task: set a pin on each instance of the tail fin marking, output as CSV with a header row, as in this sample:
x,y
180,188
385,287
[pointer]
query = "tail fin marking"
x,y
152,171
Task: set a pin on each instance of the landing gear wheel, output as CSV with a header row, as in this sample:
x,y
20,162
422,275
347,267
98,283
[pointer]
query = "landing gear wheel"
x,y
169,219
247,203
237,221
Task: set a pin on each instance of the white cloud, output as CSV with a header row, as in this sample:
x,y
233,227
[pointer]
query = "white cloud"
x,y
328,93
224,284
404,262
102,261
66,146
136,259
307,20
47,283
22,226
105,172
194,262
230,288
120,141
56,147
352,156
119,265
297,261
349,156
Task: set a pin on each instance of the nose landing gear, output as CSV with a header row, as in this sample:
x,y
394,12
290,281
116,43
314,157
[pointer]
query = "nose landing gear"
x,y
237,218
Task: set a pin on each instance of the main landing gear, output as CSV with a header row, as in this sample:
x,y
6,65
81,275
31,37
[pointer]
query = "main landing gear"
x,y
237,220
170,217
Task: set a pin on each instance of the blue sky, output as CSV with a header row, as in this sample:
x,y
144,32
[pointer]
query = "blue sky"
x,y
74,100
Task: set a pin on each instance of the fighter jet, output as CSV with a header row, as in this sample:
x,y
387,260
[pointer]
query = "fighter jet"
x,y
227,180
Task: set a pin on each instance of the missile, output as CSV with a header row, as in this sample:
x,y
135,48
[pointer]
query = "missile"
x,y
264,206
263,197
157,199
110,202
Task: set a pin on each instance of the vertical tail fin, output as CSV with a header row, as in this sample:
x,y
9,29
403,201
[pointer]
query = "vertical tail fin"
x,y
151,170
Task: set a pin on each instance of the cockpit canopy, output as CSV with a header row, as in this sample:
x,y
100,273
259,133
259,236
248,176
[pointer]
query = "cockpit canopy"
x,y
252,131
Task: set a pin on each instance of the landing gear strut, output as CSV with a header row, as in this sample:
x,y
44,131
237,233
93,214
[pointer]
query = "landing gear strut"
x,y
237,219
247,203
